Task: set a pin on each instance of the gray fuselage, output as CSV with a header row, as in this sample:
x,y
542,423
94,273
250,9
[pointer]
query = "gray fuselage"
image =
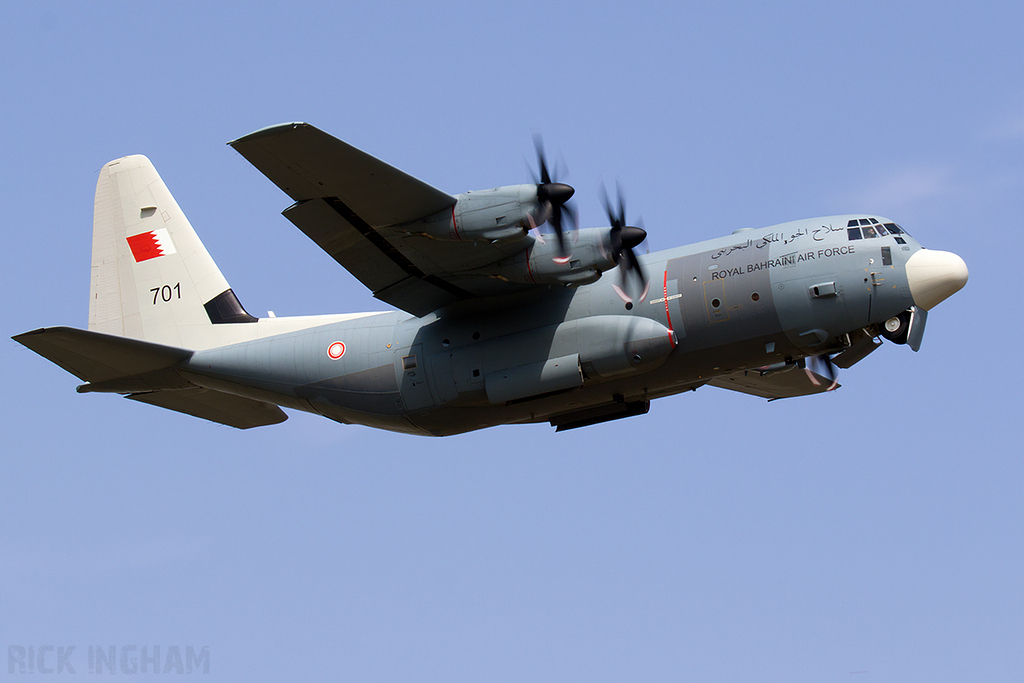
x,y
752,299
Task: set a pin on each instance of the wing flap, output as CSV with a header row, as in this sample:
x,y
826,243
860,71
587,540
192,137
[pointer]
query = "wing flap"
x,y
216,406
345,243
307,163
372,259
790,384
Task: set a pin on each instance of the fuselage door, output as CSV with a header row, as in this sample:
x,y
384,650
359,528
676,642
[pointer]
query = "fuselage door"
x,y
413,379
442,383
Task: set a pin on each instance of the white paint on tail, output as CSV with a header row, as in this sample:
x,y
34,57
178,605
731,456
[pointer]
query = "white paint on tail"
x,y
151,274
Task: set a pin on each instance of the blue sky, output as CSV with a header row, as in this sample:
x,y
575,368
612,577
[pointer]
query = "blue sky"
x,y
873,534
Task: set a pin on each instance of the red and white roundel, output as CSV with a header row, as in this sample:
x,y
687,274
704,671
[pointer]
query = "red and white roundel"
x,y
336,350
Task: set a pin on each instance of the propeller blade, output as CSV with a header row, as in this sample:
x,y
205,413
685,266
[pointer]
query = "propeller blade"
x,y
553,196
616,214
556,223
828,371
830,368
538,144
622,239
634,264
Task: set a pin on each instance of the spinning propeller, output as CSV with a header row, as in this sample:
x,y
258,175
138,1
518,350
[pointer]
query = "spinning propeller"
x,y
554,197
828,370
622,240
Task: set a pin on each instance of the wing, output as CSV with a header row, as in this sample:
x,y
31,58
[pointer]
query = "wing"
x,y
796,382
345,201
307,163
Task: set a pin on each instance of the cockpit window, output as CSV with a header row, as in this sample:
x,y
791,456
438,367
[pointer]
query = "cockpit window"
x,y
866,228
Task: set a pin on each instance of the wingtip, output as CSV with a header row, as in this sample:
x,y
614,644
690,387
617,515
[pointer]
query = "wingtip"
x,y
20,338
270,131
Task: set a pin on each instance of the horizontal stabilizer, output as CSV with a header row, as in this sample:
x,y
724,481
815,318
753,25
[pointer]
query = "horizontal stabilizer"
x,y
216,406
99,357
796,382
146,372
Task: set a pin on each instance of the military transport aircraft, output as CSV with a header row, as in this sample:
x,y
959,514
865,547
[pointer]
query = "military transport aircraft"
x,y
497,323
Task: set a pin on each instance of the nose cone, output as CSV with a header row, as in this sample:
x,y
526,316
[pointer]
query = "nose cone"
x,y
934,276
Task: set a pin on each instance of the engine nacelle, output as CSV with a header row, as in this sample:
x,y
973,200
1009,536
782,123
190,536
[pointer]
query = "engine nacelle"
x,y
499,214
539,263
612,345
569,355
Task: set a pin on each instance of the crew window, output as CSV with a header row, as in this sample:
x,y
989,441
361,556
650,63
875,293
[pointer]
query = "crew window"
x,y
865,221
893,228
852,222
881,230
869,231
854,233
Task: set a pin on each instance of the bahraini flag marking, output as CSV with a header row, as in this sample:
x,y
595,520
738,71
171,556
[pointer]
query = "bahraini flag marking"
x,y
147,245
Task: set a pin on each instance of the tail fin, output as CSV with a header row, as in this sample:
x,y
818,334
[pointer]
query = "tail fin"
x,y
152,278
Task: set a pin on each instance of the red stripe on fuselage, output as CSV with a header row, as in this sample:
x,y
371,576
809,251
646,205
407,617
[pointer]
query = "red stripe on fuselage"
x,y
455,226
668,316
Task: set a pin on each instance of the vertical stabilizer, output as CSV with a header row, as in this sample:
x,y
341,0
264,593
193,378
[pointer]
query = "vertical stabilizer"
x,y
152,278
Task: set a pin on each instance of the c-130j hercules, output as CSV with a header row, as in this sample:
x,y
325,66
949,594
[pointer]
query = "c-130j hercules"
x,y
496,325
